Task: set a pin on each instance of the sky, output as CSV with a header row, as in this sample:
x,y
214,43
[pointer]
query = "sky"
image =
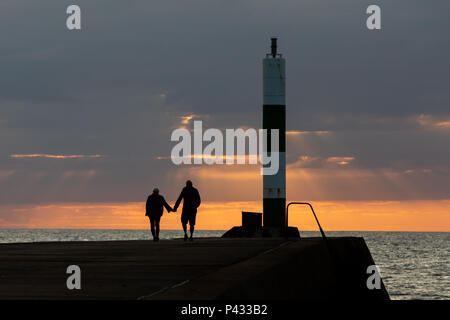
x,y
86,116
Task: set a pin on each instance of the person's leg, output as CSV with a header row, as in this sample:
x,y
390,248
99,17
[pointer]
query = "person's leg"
x,y
191,229
157,227
185,231
152,227
191,225
184,224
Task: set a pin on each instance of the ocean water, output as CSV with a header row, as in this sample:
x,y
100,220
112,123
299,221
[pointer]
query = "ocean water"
x,y
413,265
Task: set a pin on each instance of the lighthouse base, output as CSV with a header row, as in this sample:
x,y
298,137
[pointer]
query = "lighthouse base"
x,y
261,232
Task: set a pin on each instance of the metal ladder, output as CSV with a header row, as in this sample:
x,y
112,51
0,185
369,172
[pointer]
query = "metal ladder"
x,y
312,209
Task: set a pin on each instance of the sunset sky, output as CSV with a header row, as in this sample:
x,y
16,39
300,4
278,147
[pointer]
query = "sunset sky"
x,y
86,116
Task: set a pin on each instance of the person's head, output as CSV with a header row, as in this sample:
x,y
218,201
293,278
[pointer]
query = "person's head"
x,y
189,184
156,191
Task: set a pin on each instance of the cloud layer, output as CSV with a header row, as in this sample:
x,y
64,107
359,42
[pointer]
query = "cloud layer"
x,y
87,116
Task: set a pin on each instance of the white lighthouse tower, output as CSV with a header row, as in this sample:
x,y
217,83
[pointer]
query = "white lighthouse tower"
x,y
274,117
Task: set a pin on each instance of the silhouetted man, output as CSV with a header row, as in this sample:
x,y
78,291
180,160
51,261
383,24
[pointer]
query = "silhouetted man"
x,y
191,201
154,210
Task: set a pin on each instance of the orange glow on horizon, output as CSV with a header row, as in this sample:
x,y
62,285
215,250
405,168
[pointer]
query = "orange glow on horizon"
x,y
334,216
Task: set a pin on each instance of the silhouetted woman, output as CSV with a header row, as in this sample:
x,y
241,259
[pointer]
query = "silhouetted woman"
x,y
154,209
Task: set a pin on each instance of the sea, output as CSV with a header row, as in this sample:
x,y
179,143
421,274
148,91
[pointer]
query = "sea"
x,y
413,265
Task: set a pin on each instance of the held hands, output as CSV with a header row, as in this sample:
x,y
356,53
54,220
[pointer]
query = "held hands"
x,y
170,209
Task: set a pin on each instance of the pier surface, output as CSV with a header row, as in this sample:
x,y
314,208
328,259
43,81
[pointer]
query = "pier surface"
x,y
207,268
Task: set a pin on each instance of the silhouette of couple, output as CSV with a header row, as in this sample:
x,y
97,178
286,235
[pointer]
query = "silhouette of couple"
x,y
155,206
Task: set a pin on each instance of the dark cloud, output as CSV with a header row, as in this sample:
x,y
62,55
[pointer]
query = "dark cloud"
x,y
120,85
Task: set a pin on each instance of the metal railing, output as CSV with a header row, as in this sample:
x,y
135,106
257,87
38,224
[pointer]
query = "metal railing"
x,y
312,209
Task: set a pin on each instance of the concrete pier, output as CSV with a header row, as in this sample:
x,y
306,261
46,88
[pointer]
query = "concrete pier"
x,y
208,268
